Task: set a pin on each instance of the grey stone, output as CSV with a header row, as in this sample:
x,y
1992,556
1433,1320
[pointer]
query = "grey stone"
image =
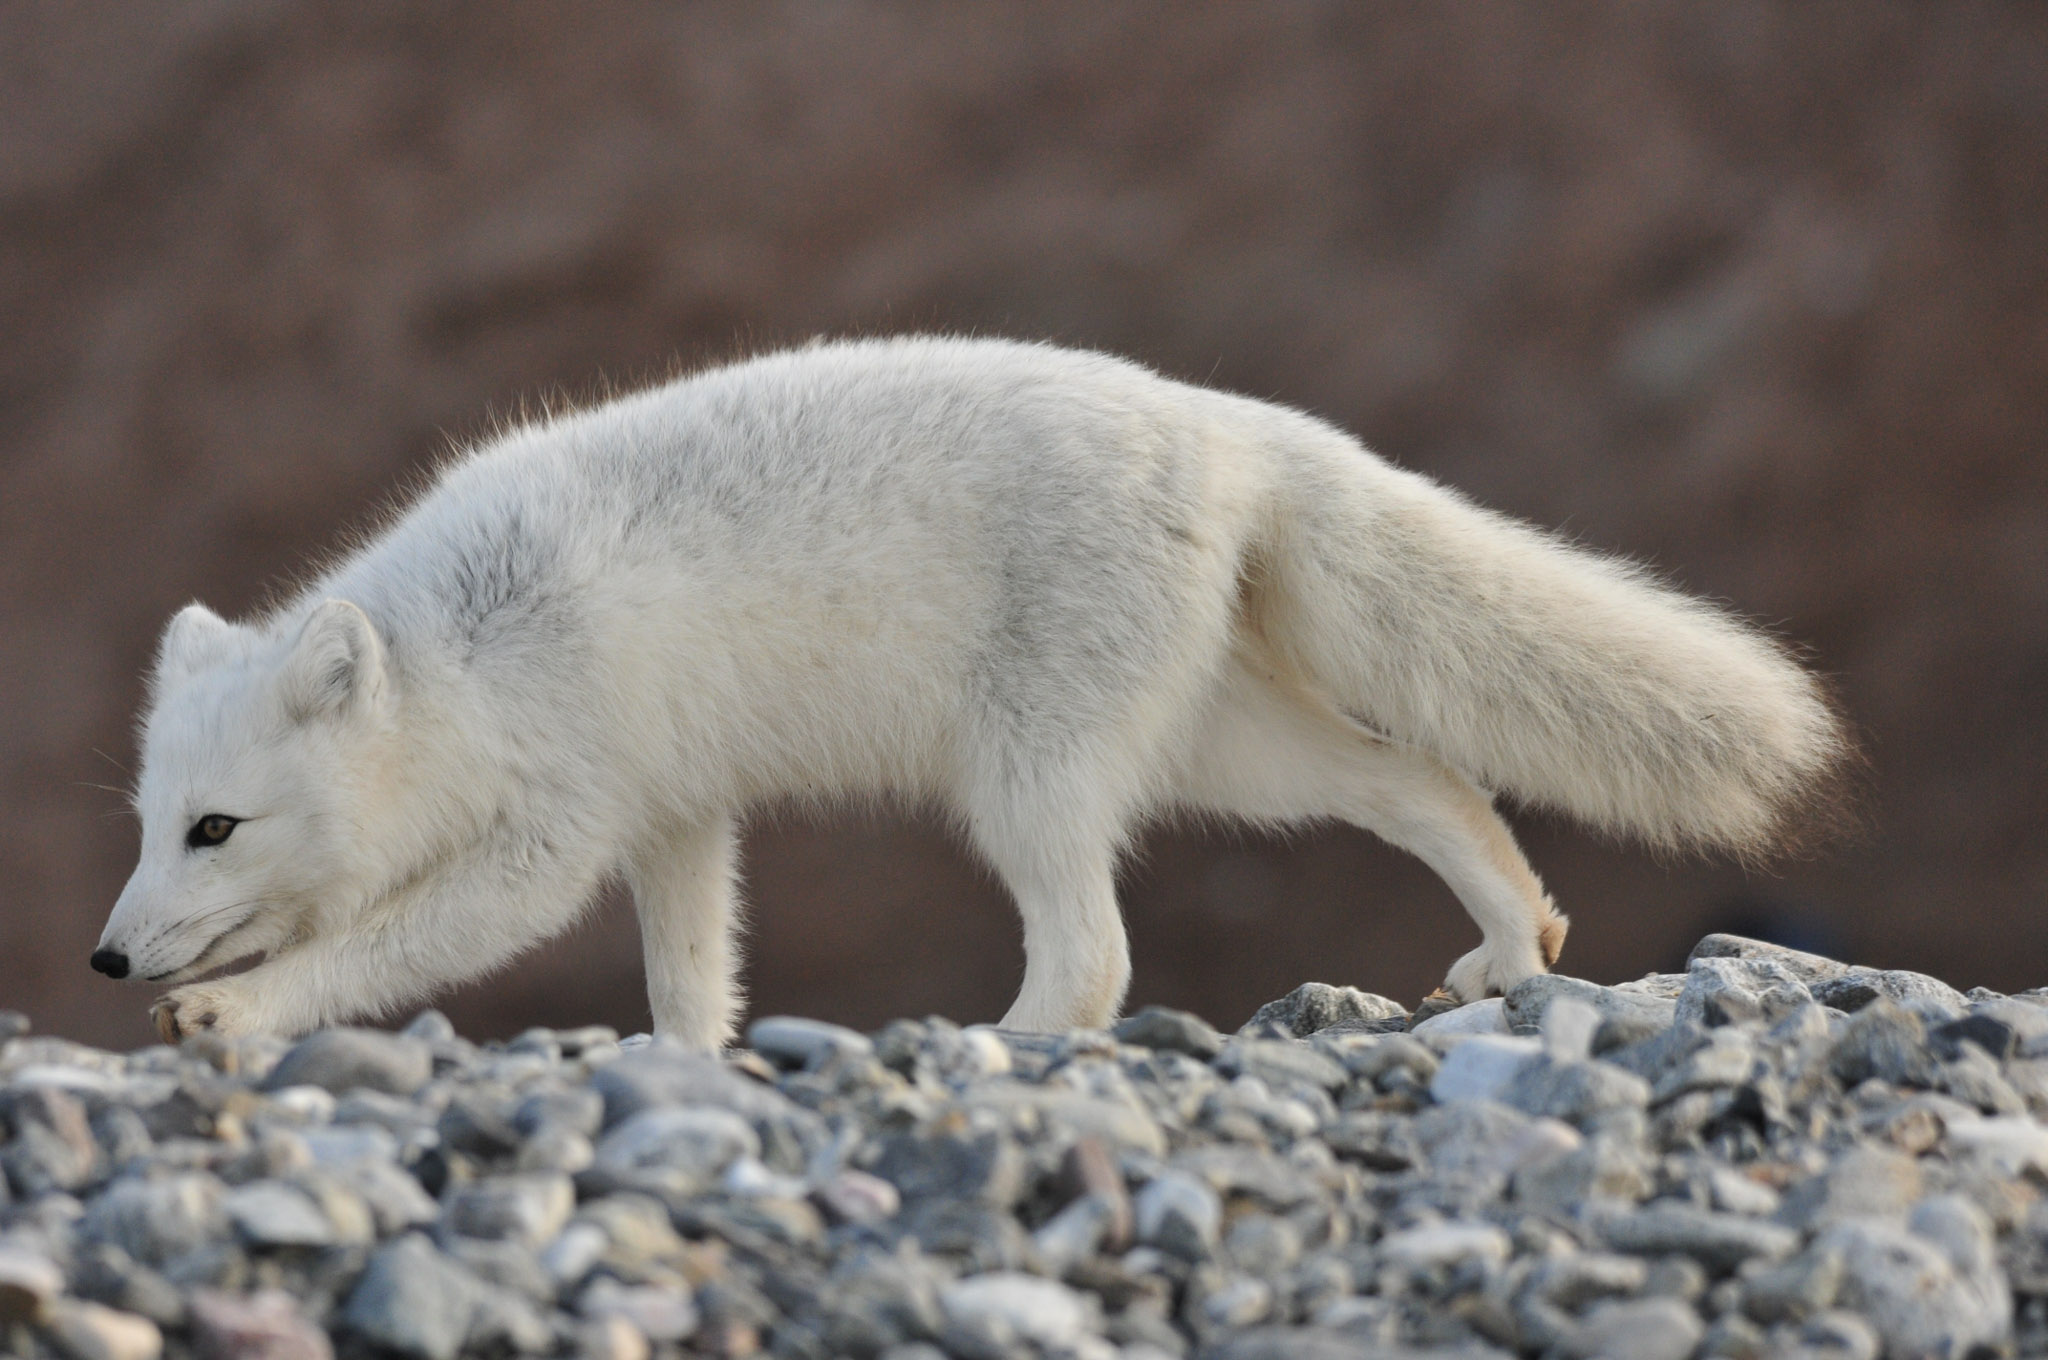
x,y
340,1060
1625,1016
273,1214
1718,1241
413,1300
1281,1063
1864,1180
431,1026
1239,1302
1577,1092
1727,1059
1603,1169
528,1208
1837,1335
574,1109
1886,1041
1859,987
53,1147
1374,1056
1996,1037
1807,968
1929,1288
794,1042
687,1146
1158,1027
478,1121
1275,1181
1379,1141
395,1200
1794,1290
1178,1213
985,1167
1973,1076
268,1325
1638,1329
1122,1123
106,1274
1483,1144
1651,1058
1722,990
156,1220
1316,1006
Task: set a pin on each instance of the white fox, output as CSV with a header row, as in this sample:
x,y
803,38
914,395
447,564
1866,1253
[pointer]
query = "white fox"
x,y
1049,593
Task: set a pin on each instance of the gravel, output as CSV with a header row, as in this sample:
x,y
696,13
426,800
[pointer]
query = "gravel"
x,y
1770,1154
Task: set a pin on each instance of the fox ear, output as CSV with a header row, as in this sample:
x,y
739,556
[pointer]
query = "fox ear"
x,y
194,636
337,664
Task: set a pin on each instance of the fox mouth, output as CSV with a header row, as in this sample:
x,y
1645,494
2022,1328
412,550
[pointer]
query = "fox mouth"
x,y
212,954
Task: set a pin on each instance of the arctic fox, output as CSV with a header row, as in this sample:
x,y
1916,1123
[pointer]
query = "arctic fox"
x,y
1047,592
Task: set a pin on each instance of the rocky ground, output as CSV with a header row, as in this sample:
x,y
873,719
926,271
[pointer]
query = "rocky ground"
x,y
1771,1154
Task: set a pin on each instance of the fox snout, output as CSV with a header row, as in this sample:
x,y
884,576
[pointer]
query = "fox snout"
x,y
112,962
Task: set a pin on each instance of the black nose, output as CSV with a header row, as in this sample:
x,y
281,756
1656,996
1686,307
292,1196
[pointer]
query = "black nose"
x,y
114,965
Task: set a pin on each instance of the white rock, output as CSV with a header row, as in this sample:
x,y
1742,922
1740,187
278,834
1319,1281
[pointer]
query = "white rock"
x,y
656,1313
1480,1017
2010,1144
88,1331
1568,1027
1482,1067
1442,1244
1044,1312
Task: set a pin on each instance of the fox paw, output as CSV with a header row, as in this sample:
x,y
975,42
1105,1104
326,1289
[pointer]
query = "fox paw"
x,y
193,1010
1487,971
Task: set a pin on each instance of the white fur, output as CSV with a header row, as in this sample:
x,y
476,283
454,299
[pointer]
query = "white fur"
x,y
1046,591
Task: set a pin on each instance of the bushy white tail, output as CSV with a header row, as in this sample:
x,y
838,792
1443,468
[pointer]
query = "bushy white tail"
x,y
1568,679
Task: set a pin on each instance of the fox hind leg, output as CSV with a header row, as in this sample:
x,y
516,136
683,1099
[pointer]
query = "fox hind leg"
x,y
1272,751
684,894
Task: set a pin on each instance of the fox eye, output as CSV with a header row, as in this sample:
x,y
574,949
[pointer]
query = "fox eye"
x,y
211,829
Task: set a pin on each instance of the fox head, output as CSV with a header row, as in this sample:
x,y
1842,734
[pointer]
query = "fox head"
x,y
252,753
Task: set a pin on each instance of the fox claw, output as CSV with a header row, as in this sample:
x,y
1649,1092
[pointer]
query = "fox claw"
x,y
186,1012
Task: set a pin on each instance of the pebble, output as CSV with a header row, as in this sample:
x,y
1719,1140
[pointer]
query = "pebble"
x,y
1176,1031
1481,1017
29,1282
1637,1329
340,1060
1179,1214
657,1314
1316,1006
794,1042
413,1300
273,1214
1770,1154
91,1331
1004,1306
1483,1067
267,1325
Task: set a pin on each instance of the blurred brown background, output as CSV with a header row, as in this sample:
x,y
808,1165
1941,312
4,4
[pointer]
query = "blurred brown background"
x,y
1757,292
